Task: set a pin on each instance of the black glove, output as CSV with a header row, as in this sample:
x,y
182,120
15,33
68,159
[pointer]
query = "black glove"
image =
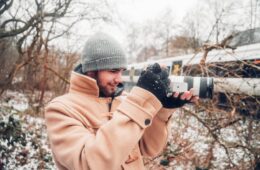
x,y
172,102
155,80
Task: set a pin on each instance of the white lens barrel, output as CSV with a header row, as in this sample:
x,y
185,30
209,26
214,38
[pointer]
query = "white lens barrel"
x,y
202,86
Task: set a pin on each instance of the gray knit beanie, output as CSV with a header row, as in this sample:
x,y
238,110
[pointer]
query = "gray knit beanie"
x,y
102,52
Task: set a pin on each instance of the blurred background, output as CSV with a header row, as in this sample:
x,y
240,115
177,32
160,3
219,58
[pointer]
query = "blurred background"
x,y
41,42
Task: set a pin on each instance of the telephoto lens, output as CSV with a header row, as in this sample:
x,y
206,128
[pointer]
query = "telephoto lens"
x,y
202,86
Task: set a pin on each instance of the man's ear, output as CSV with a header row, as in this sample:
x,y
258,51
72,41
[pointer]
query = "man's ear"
x,y
92,74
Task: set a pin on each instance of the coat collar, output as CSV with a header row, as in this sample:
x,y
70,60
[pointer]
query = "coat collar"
x,y
80,83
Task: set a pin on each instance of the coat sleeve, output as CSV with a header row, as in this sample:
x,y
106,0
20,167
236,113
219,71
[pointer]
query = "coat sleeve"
x,y
76,147
155,136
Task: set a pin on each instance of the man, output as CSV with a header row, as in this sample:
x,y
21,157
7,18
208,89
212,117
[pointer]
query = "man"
x,y
96,126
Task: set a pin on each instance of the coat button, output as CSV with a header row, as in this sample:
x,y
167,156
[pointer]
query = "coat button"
x,y
147,122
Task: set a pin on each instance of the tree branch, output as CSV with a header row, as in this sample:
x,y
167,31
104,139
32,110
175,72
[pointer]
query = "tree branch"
x,y
11,20
34,20
57,74
4,6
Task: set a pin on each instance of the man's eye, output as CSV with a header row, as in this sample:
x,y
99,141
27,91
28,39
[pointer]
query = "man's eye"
x,y
114,71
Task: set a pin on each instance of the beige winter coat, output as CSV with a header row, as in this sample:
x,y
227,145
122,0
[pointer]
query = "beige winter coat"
x,y
85,134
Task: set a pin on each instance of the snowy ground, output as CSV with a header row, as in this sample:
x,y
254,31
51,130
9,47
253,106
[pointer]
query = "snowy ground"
x,y
23,138
23,142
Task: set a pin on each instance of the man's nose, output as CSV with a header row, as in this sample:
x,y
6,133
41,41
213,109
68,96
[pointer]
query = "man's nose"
x,y
118,78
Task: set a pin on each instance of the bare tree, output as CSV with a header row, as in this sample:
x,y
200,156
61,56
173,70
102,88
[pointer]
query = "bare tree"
x,y
193,26
27,28
165,30
224,20
153,36
33,25
133,43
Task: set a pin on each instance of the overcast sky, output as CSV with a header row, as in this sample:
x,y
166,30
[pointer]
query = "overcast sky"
x,y
136,12
140,10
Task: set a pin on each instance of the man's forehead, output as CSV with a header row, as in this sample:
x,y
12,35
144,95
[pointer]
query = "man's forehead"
x,y
112,70
117,69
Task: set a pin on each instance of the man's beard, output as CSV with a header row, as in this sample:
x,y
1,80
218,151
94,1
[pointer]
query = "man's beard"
x,y
103,92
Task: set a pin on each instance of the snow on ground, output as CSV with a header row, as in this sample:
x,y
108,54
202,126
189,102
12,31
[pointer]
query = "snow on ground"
x,y
23,138
17,101
23,142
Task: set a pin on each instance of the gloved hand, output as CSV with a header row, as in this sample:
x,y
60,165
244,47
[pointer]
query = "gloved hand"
x,y
155,80
173,102
178,100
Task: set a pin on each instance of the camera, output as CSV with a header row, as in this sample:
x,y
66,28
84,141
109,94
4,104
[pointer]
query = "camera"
x,y
203,86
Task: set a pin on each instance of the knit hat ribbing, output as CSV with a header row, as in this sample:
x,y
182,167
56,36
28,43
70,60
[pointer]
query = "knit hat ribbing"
x,y
102,52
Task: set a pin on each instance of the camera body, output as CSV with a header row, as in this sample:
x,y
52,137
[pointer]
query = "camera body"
x,y
202,86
